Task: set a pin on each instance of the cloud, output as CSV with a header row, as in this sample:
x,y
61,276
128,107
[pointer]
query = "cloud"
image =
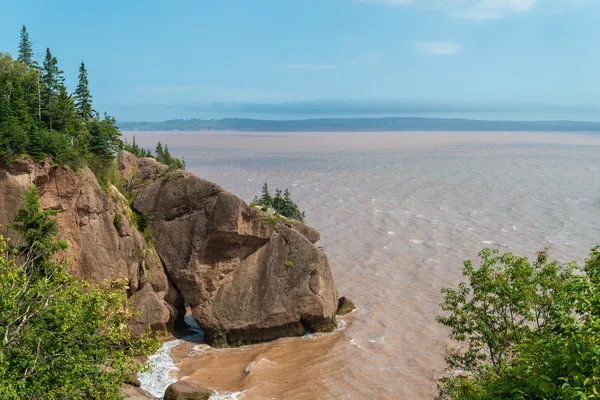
x,y
439,48
471,9
306,66
493,9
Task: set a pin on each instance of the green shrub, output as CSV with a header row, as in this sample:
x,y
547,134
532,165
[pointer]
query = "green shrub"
x,y
289,263
525,330
60,339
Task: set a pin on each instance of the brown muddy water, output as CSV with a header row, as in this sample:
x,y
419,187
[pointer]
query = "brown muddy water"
x,y
398,214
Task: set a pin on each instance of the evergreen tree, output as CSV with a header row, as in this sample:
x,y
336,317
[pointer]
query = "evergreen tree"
x,y
100,143
53,80
66,117
266,199
35,147
83,98
278,201
159,151
25,49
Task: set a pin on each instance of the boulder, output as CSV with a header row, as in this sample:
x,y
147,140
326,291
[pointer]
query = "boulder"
x,y
345,306
185,390
244,280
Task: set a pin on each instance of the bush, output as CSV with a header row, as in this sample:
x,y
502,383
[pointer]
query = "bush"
x,y
60,339
281,204
526,330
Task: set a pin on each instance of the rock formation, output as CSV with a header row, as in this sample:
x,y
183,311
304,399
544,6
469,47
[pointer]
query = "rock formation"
x,y
103,243
246,278
185,390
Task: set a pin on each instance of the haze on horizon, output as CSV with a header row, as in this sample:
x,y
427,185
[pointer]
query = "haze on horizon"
x,y
286,59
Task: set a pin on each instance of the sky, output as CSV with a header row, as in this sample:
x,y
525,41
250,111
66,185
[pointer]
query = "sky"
x,y
291,59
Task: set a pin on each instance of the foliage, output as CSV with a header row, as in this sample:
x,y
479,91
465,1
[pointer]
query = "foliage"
x,y
289,263
282,205
83,96
40,118
59,338
526,330
25,50
136,150
164,156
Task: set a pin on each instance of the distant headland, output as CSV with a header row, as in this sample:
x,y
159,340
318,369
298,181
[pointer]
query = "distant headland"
x,y
361,125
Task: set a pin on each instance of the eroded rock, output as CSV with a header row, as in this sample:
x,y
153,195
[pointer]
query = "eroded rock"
x,y
185,390
244,280
345,306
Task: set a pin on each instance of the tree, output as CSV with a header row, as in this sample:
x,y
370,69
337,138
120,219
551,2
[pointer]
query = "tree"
x,y
58,338
265,198
278,201
66,117
282,205
526,330
99,145
52,79
35,146
159,151
25,49
83,98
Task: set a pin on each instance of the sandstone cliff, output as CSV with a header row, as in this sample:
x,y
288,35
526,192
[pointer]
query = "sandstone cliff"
x,y
245,280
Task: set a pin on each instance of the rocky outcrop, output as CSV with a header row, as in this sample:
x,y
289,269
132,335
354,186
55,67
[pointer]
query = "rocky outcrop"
x,y
103,243
345,306
245,277
185,390
245,281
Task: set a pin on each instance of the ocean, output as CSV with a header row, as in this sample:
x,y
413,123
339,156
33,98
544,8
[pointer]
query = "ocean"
x,y
398,213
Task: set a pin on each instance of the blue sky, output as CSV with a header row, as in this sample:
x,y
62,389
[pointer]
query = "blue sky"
x,y
489,59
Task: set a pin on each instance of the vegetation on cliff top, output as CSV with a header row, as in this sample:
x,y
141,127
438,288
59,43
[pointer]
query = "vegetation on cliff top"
x,y
59,338
39,117
526,330
282,204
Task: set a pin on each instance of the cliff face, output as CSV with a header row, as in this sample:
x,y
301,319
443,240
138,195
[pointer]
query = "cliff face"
x,y
245,280
99,248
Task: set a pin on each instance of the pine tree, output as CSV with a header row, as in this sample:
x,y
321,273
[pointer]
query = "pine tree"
x,y
66,118
159,152
265,199
83,98
35,147
278,201
100,143
25,48
52,79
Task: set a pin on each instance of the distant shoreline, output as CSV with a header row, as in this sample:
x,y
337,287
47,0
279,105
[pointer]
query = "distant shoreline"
x,y
398,124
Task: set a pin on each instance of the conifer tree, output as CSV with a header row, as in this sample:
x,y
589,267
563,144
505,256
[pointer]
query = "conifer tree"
x,y
25,48
66,118
266,199
159,151
52,79
278,201
35,147
99,145
83,98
